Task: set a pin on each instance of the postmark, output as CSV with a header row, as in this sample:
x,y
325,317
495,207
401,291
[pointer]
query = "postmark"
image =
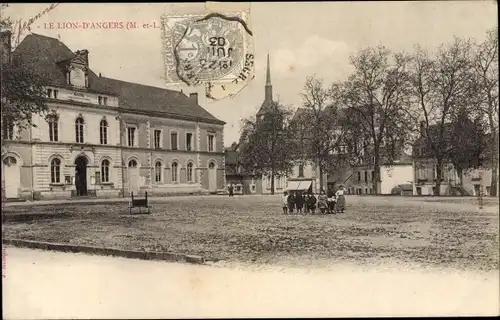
x,y
212,50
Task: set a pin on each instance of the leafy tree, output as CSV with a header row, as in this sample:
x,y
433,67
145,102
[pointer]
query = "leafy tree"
x,y
23,91
267,145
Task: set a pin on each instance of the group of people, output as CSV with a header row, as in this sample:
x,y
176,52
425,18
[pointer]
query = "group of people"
x,y
329,202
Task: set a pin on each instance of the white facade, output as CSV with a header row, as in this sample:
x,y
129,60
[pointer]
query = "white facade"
x,y
392,176
100,130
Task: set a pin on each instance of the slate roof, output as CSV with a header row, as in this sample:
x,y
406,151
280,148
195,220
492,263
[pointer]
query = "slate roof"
x,y
148,98
233,163
268,106
44,55
232,157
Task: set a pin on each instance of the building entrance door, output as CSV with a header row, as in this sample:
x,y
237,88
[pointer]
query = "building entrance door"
x,y
81,176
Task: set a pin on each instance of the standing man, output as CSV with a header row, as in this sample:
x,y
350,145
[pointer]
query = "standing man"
x,y
231,190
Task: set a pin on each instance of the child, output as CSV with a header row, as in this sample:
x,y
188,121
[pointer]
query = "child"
x,y
284,202
330,201
340,199
306,203
299,201
322,201
291,202
311,203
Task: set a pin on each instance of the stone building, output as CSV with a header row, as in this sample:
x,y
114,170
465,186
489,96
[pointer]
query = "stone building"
x,y
395,174
107,137
425,168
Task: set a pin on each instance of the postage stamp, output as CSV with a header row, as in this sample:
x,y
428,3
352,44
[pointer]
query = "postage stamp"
x,y
213,50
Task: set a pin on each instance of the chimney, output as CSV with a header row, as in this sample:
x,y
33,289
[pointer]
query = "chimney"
x,y
6,47
422,128
194,97
84,54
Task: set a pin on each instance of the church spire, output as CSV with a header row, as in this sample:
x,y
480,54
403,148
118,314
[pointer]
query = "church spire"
x,y
267,105
269,86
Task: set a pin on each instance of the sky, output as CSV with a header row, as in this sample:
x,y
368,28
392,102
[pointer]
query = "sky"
x,y
303,39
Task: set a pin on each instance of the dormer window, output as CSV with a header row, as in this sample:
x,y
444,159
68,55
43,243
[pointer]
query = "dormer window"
x,y
52,93
78,77
103,100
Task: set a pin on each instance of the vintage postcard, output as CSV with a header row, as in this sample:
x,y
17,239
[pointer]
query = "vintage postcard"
x,y
249,159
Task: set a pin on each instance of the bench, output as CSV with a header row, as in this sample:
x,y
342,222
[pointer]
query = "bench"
x,y
139,203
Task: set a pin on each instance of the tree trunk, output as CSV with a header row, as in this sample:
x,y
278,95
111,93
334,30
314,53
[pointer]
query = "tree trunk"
x,y
376,173
460,173
494,179
272,180
494,165
320,171
439,164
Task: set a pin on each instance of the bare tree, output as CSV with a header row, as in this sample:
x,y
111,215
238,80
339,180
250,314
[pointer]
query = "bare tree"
x,y
441,87
22,90
468,143
267,145
377,93
319,127
486,67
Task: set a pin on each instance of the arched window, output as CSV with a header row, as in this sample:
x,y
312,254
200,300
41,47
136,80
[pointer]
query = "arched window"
x,y
158,169
105,170
301,170
104,131
9,161
175,172
132,164
79,129
189,172
53,128
55,171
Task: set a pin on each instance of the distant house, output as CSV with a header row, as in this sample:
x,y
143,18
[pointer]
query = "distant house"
x,y
243,181
425,171
393,173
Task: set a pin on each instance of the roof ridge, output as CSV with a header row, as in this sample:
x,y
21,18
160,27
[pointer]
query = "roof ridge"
x,y
144,85
42,35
